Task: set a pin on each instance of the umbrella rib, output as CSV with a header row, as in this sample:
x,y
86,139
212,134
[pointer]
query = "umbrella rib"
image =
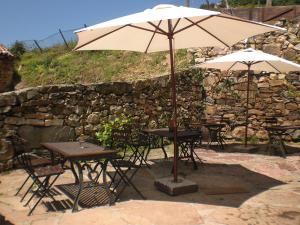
x,y
152,37
184,28
177,22
273,67
232,66
99,37
214,36
158,28
146,29
241,20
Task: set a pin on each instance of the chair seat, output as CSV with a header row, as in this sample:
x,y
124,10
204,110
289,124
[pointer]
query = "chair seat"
x,y
40,162
124,163
48,170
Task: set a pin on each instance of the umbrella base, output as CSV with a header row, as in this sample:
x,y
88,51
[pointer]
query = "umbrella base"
x,y
168,186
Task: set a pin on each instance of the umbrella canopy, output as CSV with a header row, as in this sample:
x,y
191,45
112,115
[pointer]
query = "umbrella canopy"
x,y
251,60
258,60
168,27
148,31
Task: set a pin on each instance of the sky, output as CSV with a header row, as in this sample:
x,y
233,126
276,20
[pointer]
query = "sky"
x,y
37,19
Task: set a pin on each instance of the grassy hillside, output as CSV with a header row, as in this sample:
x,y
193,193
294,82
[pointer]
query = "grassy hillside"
x,y
58,65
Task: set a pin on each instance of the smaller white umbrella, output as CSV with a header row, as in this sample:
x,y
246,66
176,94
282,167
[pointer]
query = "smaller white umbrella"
x,y
251,60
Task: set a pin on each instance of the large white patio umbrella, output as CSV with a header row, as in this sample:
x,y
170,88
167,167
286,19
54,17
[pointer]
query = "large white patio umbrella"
x,y
251,60
164,28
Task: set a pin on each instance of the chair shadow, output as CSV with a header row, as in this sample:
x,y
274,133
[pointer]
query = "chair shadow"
x,y
219,184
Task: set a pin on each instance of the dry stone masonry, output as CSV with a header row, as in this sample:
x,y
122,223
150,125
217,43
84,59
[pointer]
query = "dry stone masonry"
x,y
271,94
57,113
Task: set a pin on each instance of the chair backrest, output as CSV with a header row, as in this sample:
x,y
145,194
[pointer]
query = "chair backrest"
x,y
24,160
120,138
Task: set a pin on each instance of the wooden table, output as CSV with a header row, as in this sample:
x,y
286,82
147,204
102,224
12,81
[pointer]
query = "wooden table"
x,y
276,136
186,140
79,154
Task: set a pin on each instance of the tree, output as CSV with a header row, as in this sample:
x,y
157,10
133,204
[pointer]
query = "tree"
x,y
18,49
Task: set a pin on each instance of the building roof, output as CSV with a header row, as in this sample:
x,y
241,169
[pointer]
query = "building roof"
x,y
5,52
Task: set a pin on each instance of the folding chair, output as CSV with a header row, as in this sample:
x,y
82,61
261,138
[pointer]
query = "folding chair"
x,y
132,163
41,177
36,161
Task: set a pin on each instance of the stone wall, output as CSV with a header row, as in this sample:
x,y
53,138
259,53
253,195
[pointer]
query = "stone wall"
x,y
272,94
57,113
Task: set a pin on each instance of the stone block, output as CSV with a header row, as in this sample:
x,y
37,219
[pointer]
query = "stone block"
x,y
168,186
54,122
35,122
8,99
15,120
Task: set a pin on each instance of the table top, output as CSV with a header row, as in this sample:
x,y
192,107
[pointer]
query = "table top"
x,y
73,150
164,132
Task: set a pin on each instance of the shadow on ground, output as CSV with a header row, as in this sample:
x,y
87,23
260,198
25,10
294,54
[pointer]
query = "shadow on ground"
x,y
219,184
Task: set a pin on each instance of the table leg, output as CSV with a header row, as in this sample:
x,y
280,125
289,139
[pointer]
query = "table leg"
x,y
106,186
192,155
80,180
74,173
163,148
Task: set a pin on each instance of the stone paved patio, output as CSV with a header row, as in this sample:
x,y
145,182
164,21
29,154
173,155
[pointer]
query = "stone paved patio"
x,y
234,188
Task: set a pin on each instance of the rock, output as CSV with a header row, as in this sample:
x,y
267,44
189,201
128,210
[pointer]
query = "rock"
x,y
199,60
73,120
275,83
296,135
262,135
274,49
210,110
256,112
32,94
15,120
94,118
54,122
6,150
289,54
8,99
35,122
291,106
297,47
239,132
263,85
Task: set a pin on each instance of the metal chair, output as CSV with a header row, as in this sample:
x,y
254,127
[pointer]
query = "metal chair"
x,y
132,163
41,176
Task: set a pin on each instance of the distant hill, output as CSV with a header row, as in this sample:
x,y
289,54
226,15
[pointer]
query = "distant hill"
x,y
58,65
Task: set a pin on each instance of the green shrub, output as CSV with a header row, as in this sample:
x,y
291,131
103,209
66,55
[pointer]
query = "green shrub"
x,y
18,49
105,133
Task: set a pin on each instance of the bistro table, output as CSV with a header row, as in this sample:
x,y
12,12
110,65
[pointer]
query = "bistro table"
x,y
186,140
214,130
79,155
276,136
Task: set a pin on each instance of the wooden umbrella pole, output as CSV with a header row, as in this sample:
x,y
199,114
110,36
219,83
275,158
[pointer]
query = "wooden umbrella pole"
x,y
247,105
174,104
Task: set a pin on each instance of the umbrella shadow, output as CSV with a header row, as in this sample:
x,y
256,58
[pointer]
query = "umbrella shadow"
x,y
261,149
219,184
